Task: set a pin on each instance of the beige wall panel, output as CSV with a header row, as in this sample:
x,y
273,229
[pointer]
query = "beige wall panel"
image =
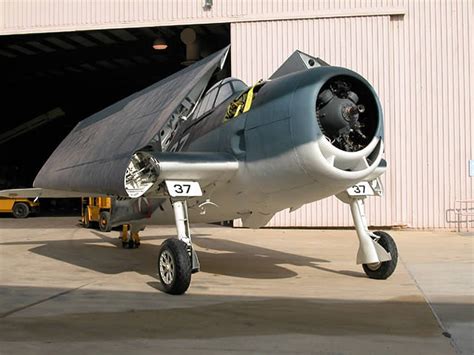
x,y
421,64
26,16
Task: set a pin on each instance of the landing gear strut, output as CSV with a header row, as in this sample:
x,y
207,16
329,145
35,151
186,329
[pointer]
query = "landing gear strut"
x,y
177,259
377,252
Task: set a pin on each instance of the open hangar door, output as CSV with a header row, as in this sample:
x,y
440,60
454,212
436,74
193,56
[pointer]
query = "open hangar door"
x,y
51,81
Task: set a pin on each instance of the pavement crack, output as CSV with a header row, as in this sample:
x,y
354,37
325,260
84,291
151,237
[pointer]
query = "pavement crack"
x,y
444,330
13,311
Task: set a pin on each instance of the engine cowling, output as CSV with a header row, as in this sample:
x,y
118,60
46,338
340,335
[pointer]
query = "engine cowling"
x,y
337,125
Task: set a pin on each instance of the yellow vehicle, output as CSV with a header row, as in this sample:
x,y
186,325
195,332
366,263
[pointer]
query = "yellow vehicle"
x,y
19,207
97,210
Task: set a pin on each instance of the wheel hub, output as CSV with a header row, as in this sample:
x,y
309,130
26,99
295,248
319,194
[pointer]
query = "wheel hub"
x,y
374,266
166,267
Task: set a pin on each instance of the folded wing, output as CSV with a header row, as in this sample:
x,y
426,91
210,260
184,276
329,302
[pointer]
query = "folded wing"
x,y
95,157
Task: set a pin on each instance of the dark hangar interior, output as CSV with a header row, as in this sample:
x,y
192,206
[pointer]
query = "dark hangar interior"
x,y
51,81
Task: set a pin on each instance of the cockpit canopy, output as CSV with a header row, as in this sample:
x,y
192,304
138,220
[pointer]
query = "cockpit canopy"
x,y
217,94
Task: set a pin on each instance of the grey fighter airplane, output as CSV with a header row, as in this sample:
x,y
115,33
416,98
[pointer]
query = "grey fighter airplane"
x,y
194,148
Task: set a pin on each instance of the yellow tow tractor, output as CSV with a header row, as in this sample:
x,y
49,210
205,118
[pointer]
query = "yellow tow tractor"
x,y
19,207
96,210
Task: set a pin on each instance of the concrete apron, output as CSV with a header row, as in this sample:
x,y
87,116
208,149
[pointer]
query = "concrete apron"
x,y
64,288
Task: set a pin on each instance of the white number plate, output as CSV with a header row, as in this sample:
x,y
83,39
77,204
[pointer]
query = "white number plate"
x,y
183,188
361,189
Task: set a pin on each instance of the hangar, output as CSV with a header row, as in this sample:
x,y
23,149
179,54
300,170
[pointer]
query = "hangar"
x,y
62,61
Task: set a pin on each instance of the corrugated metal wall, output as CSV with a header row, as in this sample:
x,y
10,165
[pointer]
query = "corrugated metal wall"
x,y
27,16
422,66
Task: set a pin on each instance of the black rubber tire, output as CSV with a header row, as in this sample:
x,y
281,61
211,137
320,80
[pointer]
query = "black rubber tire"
x,y
21,210
104,221
386,268
181,279
86,223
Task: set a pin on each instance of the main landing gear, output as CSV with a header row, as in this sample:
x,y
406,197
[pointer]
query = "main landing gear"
x,y
130,237
377,252
177,259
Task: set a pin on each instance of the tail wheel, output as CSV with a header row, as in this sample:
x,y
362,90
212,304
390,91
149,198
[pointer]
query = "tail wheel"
x,y
86,222
104,221
174,267
21,210
383,270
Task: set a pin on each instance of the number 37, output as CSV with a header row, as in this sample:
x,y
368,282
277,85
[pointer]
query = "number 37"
x,y
359,189
182,188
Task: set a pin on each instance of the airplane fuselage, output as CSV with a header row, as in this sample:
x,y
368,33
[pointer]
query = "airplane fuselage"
x,y
284,158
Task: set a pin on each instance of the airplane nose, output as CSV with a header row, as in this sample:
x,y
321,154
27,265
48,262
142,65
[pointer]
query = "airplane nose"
x,y
347,113
337,125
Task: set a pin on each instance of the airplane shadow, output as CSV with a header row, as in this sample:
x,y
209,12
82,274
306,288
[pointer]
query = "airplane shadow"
x,y
104,253
248,261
